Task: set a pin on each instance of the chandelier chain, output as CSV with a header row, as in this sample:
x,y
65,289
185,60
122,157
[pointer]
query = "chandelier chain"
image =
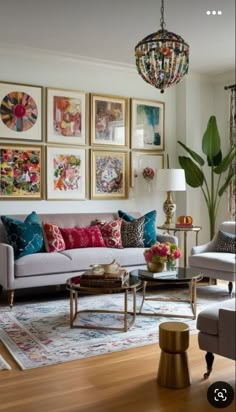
x,y
162,22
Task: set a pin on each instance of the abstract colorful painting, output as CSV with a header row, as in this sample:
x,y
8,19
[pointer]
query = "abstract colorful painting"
x,y
147,125
66,173
109,121
66,116
20,111
20,172
109,175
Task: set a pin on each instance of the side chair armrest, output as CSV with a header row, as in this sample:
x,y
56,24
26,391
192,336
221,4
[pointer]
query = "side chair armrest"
x,y
207,247
7,265
227,338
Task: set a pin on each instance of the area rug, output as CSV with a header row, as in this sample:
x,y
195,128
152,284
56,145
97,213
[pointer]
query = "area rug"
x,y
38,334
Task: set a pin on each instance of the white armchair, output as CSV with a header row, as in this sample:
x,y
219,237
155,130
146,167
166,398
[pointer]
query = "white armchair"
x,y
215,265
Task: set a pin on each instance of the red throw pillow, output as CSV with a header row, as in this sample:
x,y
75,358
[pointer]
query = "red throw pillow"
x,y
79,237
53,239
111,233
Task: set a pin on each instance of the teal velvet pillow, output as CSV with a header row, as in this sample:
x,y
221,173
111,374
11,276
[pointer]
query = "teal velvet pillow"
x,y
25,237
149,225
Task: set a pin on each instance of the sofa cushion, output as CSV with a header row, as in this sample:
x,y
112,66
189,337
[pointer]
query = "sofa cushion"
x,y
132,233
80,237
224,262
111,232
54,241
25,237
149,225
225,242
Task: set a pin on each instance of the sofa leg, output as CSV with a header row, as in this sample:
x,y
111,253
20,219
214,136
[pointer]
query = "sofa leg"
x,y
10,294
230,287
209,360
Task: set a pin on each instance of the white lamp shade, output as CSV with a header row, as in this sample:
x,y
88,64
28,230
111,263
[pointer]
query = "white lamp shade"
x,y
171,180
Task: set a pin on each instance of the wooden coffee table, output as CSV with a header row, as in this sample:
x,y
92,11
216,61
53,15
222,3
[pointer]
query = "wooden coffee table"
x,y
178,276
131,285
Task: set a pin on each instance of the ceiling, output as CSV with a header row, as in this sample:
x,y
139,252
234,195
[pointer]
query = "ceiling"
x,y
110,29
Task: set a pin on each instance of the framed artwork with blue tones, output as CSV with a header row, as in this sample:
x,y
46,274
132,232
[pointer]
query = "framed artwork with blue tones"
x,y
147,125
109,178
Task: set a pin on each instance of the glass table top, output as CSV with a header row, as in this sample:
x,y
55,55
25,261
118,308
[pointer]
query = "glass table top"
x,y
180,274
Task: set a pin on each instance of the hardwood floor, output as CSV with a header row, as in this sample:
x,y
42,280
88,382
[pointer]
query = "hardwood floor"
x,y
118,382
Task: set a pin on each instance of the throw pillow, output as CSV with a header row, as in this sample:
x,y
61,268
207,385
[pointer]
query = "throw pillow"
x,y
54,241
25,237
79,237
132,233
225,242
149,225
111,233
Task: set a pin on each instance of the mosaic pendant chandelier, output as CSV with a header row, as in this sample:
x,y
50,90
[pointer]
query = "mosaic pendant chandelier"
x,y
162,58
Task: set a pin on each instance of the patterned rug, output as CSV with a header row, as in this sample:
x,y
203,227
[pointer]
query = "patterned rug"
x,y
38,334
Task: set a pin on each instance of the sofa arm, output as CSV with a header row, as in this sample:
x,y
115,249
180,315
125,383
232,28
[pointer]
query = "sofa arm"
x,y
162,238
227,338
208,247
7,266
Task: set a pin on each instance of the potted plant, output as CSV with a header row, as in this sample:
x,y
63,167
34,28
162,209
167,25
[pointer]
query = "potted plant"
x,y
214,188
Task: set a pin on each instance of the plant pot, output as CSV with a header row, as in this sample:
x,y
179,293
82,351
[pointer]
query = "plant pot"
x,y
156,267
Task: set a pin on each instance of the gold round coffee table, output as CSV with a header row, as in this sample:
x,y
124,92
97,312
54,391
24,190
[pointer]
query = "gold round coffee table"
x,y
130,285
173,371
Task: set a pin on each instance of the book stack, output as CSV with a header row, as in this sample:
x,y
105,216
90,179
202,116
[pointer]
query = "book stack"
x,y
107,280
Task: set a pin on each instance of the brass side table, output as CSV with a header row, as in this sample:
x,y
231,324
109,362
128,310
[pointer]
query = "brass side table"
x,y
186,230
131,285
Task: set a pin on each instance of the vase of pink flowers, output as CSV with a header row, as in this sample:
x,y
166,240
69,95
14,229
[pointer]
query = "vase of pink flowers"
x,y
161,254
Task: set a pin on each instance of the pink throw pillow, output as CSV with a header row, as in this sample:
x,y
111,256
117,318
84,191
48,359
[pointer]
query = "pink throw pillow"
x,y
79,237
111,233
53,239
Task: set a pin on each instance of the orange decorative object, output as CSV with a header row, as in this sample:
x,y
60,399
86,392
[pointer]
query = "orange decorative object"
x,y
185,220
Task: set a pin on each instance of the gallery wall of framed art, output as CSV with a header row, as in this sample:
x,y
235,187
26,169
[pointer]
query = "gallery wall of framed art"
x,y
92,146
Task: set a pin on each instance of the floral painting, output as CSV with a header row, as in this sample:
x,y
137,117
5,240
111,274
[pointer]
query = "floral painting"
x,y
20,111
66,116
147,125
109,121
20,173
109,175
144,169
65,173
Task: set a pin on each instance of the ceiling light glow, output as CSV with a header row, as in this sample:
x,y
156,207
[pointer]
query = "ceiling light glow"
x,y
214,12
219,12
208,12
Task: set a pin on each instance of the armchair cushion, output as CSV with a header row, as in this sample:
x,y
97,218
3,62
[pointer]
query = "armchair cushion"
x,y
225,242
149,225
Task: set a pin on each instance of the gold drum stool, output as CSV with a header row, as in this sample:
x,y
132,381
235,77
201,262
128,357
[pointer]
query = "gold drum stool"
x,y
173,371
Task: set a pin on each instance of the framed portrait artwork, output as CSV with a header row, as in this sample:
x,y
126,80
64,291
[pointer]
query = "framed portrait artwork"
x,y
147,125
109,120
20,172
66,116
109,179
66,173
144,167
20,111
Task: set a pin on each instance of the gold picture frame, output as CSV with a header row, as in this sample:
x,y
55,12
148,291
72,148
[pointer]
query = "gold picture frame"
x,y
109,174
20,111
143,163
21,172
109,120
147,125
67,116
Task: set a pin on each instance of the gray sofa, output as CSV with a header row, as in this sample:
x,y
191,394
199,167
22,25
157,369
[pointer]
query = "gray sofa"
x,y
43,269
216,326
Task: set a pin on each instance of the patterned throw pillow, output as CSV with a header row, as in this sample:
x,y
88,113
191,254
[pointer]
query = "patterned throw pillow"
x,y
54,241
79,237
149,225
132,233
225,242
111,233
25,237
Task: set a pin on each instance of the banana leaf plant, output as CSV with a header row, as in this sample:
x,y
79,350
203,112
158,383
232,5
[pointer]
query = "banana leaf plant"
x,y
219,180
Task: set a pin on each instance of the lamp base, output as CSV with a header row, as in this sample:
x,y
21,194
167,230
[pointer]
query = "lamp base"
x,y
169,207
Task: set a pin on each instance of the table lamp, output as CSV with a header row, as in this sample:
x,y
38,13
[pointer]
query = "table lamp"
x,y
170,180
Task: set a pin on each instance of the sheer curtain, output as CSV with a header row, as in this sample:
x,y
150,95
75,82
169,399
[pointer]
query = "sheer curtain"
x,y
232,141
